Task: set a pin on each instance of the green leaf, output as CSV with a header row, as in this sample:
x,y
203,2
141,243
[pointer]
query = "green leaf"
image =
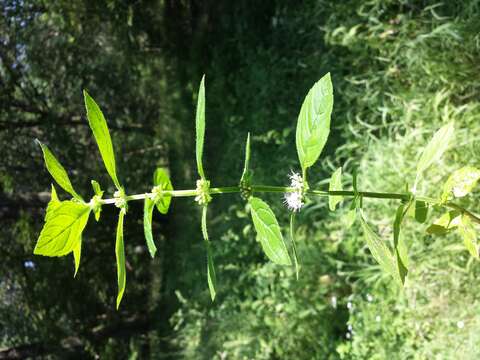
x,y
354,206
461,182
52,204
351,217
200,127
57,171
294,246
313,125
99,127
445,223
435,149
335,185
77,254
96,188
246,170
268,232
160,178
421,211
418,210
401,251
467,231
147,226
98,194
120,255
61,233
380,252
211,275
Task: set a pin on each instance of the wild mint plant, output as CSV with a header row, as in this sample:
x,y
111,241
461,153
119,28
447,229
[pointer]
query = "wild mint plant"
x,y
65,220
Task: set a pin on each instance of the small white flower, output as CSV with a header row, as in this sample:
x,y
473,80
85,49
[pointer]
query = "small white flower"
x,y
350,327
460,324
348,335
369,298
349,306
296,180
294,201
378,318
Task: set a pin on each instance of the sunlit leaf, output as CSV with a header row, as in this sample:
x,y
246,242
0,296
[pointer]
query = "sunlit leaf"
x,y
467,231
461,182
63,228
98,193
268,232
401,251
351,217
435,149
98,124
58,172
445,223
335,185
380,252
160,178
120,255
418,210
52,204
200,127
96,188
294,246
147,226
211,275
77,254
313,125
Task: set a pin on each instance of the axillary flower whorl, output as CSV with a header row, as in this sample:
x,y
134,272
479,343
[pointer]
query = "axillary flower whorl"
x,y
294,199
203,192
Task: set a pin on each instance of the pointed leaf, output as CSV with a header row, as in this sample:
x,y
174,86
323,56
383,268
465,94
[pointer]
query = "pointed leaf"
x,y
461,182
379,250
294,247
52,204
445,223
98,194
351,217
211,275
313,125
268,232
401,251
160,178
200,127
467,231
96,188
58,172
61,233
335,185
120,255
77,254
246,171
147,226
435,149
98,124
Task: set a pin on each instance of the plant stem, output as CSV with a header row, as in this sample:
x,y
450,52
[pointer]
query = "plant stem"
x,y
284,189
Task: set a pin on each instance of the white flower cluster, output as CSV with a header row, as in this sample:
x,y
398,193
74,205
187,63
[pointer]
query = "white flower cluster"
x,y
203,192
120,201
294,200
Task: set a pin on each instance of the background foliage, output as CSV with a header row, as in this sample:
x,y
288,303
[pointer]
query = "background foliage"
x,y
400,69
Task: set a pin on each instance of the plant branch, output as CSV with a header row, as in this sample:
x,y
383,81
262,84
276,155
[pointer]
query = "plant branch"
x,y
284,189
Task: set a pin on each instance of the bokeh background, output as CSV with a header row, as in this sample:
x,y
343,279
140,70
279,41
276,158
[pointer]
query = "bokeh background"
x,y
400,70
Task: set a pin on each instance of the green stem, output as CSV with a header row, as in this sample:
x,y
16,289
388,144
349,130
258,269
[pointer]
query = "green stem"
x,y
284,189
